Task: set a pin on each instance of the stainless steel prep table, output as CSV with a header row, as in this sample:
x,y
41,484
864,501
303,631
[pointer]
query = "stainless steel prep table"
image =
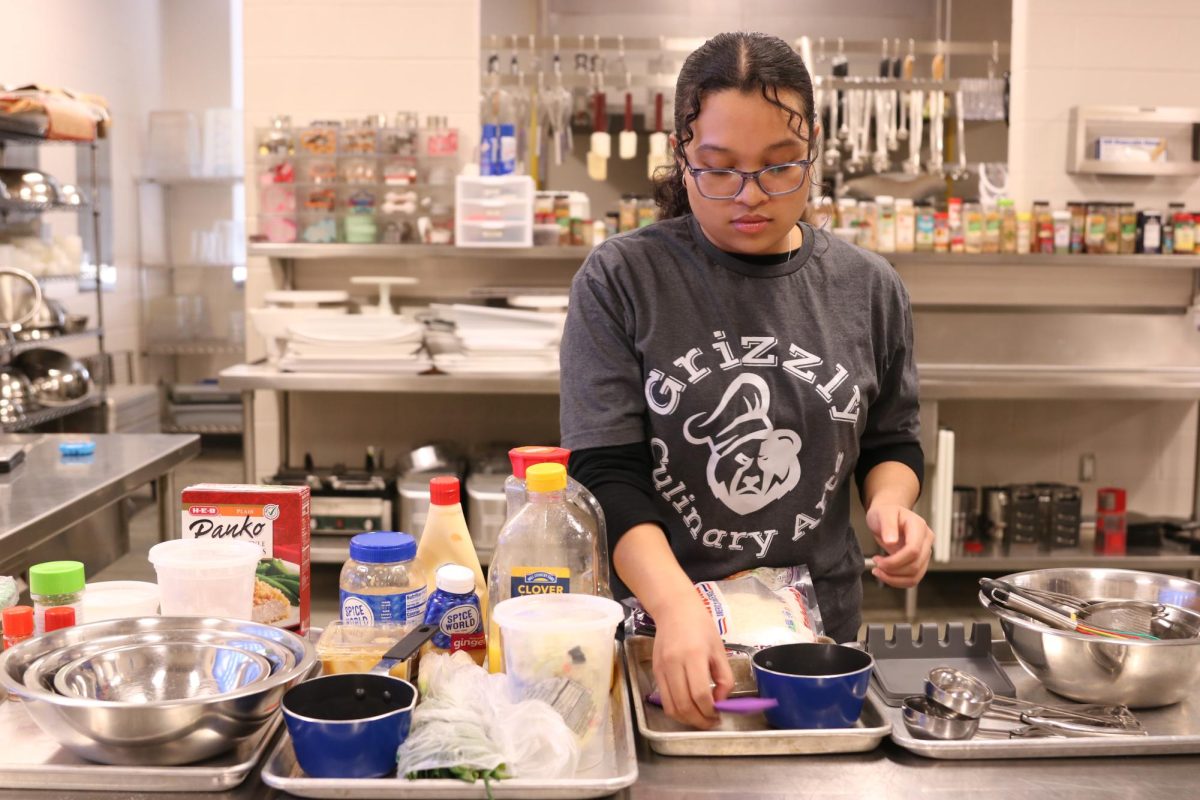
x,y
48,495
888,772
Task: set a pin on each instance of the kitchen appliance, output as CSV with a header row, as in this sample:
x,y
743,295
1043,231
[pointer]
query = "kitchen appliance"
x,y
347,501
1048,514
963,514
993,513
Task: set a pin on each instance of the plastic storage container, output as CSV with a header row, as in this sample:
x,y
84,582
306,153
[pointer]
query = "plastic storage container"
x,y
494,211
559,647
382,583
206,577
548,547
358,648
119,599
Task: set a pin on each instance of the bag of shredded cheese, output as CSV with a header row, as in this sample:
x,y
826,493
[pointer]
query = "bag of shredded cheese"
x,y
757,608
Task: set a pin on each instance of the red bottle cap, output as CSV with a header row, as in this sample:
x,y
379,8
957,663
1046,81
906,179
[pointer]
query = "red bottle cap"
x,y
523,458
59,617
443,490
1110,500
18,621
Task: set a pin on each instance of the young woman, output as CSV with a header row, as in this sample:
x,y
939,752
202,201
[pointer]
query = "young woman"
x,y
726,371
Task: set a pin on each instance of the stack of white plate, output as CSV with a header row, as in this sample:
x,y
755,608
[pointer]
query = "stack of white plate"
x,y
502,341
355,344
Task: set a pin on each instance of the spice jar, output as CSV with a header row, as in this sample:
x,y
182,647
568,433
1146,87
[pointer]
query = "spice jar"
x,y
1008,225
1062,232
1112,230
924,237
627,213
941,232
382,583
885,241
1185,232
1078,225
18,625
1150,232
1094,229
991,229
55,583
1024,231
1129,220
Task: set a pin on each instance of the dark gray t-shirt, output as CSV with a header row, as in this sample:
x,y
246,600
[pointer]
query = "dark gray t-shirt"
x,y
756,387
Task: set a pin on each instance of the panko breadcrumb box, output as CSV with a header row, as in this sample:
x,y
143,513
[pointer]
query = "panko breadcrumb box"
x,y
276,518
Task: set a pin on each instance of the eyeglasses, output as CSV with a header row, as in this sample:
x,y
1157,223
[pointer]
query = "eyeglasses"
x,y
726,184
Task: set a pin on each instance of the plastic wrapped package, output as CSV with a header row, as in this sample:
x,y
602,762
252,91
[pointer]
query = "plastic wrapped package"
x,y
469,725
758,608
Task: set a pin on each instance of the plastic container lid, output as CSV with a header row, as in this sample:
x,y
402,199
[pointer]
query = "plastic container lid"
x,y
546,478
77,448
59,617
209,556
548,612
119,599
18,621
383,547
455,579
444,490
56,577
523,458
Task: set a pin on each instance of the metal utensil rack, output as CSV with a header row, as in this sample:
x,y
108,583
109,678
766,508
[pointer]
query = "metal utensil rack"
x,y
14,135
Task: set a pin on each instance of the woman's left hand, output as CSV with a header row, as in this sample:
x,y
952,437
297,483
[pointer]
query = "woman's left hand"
x,y
908,541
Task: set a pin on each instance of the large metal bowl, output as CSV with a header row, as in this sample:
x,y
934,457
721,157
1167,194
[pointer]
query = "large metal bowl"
x,y
164,672
1092,669
57,379
145,734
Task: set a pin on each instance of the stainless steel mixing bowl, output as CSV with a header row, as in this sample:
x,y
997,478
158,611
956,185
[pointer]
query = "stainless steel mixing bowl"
x,y
57,379
179,732
40,673
163,672
1093,669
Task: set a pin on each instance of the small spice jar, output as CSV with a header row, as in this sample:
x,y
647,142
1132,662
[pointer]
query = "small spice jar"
x,y
52,584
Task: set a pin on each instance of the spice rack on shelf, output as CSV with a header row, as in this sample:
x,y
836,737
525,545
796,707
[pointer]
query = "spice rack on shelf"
x,y
1179,128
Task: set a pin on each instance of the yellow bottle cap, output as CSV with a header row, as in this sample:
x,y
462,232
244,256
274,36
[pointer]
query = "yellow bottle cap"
x,y
546,478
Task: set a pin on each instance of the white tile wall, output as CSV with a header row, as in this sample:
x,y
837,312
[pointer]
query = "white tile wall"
x,y
341,59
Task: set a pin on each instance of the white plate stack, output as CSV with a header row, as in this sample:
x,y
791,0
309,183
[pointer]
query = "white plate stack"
x,y
355,344
501,341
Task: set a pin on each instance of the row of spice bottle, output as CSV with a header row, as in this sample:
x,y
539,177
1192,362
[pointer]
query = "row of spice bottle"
x,y
632,212
896,225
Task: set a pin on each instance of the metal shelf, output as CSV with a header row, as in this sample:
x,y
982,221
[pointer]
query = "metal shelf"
x,y
396,252
197,265
39,208
44,279
44,415
185,180
937,382
213,430
1129,261
1165,169
21,347
199,348
246,377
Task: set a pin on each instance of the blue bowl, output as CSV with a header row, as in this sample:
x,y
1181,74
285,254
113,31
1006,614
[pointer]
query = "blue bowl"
x,y
817,685
349,725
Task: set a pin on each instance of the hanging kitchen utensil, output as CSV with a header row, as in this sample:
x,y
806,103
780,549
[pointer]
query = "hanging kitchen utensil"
x,y
879,161
896,111
601,142
840,68
984,97
885,65
960,141
627,140
533,113
858,128
937,113
916,114
907,69
581,95
659,153
522,109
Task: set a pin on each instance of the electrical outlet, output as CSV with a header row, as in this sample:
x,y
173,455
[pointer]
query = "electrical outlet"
x,y
1087,467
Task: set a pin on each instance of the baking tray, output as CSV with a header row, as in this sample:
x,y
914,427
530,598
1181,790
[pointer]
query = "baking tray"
x,y
30,759
617,770
1174,730
739,735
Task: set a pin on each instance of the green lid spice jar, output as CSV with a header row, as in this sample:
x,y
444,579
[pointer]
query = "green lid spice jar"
x,y
53,584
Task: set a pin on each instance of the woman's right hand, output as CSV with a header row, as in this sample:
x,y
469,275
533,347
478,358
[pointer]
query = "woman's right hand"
x,y
690,667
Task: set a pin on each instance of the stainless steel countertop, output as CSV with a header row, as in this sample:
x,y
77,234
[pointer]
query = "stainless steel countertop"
x,y
47,494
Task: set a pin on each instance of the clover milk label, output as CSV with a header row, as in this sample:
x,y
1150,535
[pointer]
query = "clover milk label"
x,y
540,580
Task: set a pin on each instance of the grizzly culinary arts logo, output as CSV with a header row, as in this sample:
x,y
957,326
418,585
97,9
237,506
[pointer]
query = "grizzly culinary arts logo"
x,y
751,463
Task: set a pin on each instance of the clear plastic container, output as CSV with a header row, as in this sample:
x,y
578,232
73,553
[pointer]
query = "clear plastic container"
x,y
494,234
119,600
318,139
358,648
559,647
318,228
206,577
359,170
317,198
382,583
278,228
886,238
906,226
550,545
317,170
360,228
